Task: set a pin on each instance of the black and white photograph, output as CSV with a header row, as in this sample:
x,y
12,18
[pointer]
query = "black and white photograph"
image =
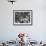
x,y
22,17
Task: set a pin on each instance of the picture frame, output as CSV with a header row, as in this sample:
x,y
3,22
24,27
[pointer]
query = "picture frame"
x,y
22,17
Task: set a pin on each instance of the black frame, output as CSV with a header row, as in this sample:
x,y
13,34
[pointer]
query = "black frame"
x,y
23,11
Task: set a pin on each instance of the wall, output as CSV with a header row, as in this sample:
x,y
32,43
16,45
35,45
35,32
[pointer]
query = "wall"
x,y
37,31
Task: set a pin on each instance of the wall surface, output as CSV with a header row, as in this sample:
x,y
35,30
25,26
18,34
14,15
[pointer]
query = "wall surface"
x,y
37,31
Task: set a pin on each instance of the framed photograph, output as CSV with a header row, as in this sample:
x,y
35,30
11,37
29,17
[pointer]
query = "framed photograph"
x,y
22,17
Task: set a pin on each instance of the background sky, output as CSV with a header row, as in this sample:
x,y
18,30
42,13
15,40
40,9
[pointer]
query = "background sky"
x,y
8,31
